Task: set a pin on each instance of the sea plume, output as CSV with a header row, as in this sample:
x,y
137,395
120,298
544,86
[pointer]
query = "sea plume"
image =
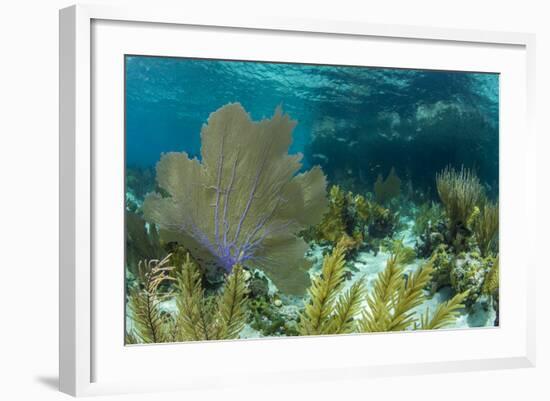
x,y
243,202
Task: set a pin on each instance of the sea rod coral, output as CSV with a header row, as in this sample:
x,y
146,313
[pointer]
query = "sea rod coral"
x,y
243,202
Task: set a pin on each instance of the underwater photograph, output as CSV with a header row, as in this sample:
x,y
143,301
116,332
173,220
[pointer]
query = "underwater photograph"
x,y
268,199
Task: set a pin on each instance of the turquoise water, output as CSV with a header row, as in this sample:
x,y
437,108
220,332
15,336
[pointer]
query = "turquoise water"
x,y
351,120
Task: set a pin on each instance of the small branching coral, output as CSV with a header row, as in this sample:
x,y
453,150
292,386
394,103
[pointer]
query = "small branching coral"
x,y
485,228
386,190
209,318
150,324
328,311
243,202
461,194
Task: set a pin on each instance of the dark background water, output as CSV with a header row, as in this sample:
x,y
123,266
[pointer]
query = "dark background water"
x,y
355,122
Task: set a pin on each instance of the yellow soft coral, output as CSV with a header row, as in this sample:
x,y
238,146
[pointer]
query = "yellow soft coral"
x,y
328,311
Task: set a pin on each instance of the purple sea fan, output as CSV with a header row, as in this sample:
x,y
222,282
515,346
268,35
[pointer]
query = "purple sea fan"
x,y
243,202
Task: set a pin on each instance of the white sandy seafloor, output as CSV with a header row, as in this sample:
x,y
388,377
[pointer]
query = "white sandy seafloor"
x,y
369,266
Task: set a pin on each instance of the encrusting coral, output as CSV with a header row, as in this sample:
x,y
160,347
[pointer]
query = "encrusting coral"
x,y
468,272
243,202
386,190
465,272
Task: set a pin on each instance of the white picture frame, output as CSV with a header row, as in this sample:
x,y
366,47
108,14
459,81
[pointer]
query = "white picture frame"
x,y
88,365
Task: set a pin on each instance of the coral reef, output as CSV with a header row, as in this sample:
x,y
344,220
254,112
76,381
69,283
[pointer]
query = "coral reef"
x,y
461,194
266,312
468,274
232,207
464,251
271,318
338,221
465,272
233,234
386,190
354,221
345,219
442,261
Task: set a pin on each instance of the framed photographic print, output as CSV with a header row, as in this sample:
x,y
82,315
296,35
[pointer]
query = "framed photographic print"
x,y
290,199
